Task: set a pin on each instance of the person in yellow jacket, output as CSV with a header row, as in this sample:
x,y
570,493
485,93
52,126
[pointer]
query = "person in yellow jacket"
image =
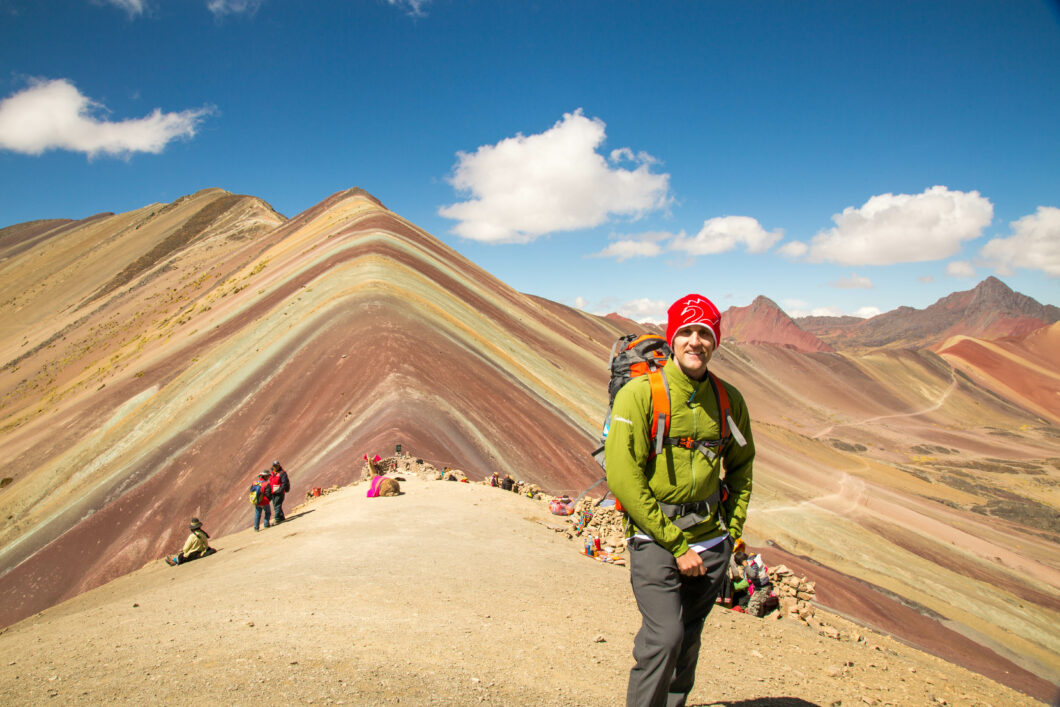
x,y
682,525
197,545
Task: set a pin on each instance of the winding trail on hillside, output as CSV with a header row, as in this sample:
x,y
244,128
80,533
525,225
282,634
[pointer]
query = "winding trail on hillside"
x,y
846,500
932,408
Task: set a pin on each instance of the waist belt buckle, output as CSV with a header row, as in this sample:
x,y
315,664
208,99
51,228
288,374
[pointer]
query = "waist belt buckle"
x,y
695,507
686,443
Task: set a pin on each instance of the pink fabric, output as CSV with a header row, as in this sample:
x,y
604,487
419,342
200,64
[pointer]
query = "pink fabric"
x,y
373,488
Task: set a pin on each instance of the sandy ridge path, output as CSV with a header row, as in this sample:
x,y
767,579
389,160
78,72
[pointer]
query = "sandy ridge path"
x,y
450,594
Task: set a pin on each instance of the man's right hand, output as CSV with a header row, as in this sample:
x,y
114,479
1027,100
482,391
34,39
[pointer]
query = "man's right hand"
x,y
690,564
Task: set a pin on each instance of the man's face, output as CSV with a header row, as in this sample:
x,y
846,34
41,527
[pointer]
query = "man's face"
x,y
693,347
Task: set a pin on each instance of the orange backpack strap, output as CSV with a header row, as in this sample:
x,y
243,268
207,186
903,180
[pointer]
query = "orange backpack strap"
x,y
724,411
660,409
727,426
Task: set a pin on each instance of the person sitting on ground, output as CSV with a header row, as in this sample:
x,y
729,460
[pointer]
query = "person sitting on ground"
x,y
740,595
279,485
197,545
506,482
263,503
761,587
495,480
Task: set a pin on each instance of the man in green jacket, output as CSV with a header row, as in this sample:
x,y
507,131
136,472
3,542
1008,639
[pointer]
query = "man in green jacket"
x,y
681,530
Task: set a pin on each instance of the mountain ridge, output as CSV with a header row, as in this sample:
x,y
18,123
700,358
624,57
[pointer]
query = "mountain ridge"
x,y
990,310
346,329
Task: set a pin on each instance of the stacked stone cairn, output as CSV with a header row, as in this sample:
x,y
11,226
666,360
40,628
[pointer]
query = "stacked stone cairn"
x,y
589,523
796,594
406,464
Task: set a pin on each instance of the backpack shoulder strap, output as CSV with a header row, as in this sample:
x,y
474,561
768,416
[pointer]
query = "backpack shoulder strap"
x,y
660,408
724,411
727,426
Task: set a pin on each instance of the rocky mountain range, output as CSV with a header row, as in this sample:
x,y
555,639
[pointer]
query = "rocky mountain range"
x,y
991,310
153,361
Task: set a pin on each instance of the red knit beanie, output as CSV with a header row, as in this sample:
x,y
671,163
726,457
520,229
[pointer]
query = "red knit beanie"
x,y
689,310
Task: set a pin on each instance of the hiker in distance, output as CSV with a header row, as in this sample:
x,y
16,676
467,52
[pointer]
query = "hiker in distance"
x,y
260,499
197,545
279,486
682,528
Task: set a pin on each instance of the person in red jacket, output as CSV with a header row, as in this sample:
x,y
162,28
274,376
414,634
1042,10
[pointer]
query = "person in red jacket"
x,y
264,499
279,485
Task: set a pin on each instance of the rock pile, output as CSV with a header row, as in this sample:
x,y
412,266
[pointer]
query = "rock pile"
x,y
796,594
591,522
406,464
309,495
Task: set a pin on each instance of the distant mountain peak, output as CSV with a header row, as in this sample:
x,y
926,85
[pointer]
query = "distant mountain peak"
x,y
990,310
763,322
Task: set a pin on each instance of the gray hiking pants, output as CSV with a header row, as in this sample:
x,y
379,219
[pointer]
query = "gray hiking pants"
x,y
673,608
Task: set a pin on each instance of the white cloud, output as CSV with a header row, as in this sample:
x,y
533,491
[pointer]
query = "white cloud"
x,y
413,8
641,245
220,8
718,235
903,228
133,7
793,249
644,310
960,268
527,186
853,282
799,309
926,279
639,310
795,313
624,154
725,233
1034,244
624,250
54,115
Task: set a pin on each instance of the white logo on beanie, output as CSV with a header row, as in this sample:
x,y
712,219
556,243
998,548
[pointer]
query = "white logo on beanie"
x,y
690,310
695,312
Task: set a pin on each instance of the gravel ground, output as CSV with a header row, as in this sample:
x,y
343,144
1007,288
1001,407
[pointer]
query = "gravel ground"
x,y
449,594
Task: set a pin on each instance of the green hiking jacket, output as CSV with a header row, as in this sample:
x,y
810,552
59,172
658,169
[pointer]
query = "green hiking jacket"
x,y
677,475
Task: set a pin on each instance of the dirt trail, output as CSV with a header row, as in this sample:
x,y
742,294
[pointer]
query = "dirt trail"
x,y
449,594
930,408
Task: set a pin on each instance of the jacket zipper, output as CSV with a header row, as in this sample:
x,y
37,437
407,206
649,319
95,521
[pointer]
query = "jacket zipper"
x,y
695,435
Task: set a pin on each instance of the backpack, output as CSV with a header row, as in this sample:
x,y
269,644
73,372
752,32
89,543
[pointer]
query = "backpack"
x,y
636,355
257,495
286,481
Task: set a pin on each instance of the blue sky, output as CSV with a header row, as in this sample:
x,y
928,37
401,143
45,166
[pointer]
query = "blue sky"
x,y
842,158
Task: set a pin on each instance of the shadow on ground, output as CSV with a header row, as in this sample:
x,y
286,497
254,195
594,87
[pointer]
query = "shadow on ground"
x,y
762,702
